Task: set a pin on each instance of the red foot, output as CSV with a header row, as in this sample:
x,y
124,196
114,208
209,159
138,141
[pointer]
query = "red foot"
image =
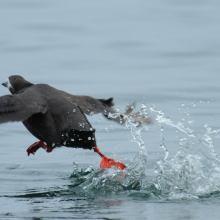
x,y
35,146
108,162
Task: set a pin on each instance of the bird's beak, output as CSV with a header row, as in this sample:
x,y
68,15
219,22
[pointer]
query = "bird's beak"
x,y
5,84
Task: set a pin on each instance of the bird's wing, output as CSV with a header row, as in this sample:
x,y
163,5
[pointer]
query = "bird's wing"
x,y
19,107
90,106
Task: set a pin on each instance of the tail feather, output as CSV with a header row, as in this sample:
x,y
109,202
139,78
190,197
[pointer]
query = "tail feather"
x,y
107,102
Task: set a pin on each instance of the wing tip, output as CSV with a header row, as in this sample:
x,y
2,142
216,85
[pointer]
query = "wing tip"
x,y
109,102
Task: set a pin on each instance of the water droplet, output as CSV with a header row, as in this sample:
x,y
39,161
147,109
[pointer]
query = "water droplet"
x,y
89,138
106,129
182,104
72,140
74,110
91,113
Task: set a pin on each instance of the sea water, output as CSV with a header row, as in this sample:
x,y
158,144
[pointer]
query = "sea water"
x,y
165,56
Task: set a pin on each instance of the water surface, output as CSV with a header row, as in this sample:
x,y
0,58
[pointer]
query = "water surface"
x,y
163,54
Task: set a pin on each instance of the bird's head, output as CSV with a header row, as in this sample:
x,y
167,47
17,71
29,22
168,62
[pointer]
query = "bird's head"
x,y
15,83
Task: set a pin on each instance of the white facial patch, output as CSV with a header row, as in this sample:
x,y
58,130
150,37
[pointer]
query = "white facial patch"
x,y
9,85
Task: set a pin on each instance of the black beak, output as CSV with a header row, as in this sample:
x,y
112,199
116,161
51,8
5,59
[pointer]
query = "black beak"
x,y
5,84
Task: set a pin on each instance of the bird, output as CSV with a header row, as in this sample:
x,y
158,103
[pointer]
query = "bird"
x,y
57,118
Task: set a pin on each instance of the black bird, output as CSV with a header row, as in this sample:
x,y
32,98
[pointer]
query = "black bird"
x,y
57,118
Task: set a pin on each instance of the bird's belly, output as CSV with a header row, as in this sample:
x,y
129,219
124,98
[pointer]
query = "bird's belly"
x,y
79,139
43,128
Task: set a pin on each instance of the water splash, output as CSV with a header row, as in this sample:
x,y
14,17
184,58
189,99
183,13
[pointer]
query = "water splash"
x,y
137,166
114,180
194,171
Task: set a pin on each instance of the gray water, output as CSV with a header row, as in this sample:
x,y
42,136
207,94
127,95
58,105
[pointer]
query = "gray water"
x,y
162,54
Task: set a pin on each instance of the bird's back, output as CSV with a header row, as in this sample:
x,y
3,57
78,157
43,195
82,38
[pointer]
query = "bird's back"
x,y
62,116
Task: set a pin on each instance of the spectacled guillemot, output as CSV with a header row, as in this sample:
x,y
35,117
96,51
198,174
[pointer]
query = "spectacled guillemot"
x,y
57,118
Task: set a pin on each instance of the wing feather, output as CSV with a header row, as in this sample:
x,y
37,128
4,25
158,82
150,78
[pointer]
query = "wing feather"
x,y
89,105
19,107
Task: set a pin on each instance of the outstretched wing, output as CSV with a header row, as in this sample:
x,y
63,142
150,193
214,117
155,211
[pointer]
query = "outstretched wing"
x,y
19,107
91,106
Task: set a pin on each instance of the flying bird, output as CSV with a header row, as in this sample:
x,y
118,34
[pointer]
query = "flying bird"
x,y
57,118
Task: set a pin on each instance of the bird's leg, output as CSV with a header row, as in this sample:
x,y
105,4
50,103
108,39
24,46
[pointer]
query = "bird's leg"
x,y
108,162
35,146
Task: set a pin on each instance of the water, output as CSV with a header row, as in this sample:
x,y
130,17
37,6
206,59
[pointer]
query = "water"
x,y
165,56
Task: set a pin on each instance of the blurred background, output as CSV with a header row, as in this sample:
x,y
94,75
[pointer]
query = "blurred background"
x,y
151,50
164,54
